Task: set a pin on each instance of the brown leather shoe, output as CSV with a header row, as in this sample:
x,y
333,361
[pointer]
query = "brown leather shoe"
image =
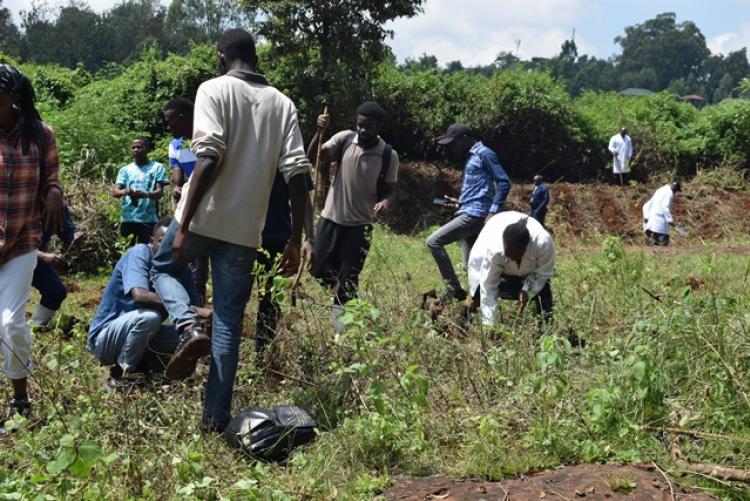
x,y
194,345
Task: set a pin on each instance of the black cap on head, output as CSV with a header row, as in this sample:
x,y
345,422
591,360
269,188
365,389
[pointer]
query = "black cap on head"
x,y
454,131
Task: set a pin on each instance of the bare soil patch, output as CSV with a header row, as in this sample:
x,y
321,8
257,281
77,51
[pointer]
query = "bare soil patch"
x,y
586,482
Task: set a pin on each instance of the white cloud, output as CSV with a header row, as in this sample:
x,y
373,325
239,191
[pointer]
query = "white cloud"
x,y
475,31
730,41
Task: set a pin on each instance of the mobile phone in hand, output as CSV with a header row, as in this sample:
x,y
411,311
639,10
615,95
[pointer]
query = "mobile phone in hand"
x,y
439,201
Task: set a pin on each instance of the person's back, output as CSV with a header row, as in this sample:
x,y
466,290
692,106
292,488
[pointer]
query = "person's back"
x,y
255,124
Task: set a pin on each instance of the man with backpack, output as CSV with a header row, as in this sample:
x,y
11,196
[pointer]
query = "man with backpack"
x,y
362,190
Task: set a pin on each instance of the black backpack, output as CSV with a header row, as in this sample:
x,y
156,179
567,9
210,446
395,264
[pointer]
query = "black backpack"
x,y
270,434
384,166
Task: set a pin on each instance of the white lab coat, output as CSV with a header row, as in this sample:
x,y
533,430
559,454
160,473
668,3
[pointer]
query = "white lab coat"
x,y
657,212
622,150
487,261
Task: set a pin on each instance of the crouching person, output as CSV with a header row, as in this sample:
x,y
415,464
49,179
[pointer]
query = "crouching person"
x,y
128,324
513,258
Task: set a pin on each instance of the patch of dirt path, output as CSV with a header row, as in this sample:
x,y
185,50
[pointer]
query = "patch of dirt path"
x,y
585,482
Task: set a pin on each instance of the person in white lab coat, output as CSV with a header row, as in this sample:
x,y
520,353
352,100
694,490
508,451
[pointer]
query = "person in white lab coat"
x,y
512,258
621,148
657,214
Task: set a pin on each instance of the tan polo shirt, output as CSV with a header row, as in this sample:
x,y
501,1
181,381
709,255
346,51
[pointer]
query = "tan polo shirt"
x,y
354,190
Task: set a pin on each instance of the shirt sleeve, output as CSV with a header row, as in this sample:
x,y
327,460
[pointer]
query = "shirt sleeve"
x,y
489,283
667,209
174,157
122,177
51,172
293,159
612,146
392,174
333,145
135,269
161,174
209,136
543,271
499,177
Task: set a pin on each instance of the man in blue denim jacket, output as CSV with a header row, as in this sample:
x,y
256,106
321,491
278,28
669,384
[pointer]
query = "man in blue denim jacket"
x,y
484,188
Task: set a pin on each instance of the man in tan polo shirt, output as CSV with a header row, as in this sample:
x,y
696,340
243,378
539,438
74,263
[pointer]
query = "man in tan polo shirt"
x,y
362,190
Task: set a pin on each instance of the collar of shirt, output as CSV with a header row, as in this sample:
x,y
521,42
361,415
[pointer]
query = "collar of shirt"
x,y
474,150
248,76
377,149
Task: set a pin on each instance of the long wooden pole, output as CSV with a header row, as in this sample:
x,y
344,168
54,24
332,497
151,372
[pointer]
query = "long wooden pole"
x,y
302,263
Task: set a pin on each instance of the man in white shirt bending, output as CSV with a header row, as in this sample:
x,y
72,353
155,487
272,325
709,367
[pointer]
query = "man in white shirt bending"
x,y
657,214
621,148
512,258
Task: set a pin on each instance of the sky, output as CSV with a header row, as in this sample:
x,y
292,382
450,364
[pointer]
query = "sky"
x,y
475,31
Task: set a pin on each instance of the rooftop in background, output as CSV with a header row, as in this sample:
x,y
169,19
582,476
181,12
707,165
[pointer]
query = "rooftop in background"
x,y
634,91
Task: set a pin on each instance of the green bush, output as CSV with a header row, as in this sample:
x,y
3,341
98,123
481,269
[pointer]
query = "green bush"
x,y
724,132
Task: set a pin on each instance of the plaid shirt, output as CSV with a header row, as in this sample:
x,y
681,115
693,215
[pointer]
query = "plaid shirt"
x,y
21,187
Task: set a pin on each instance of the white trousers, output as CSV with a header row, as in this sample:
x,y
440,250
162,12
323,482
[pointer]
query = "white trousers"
x,y
15,335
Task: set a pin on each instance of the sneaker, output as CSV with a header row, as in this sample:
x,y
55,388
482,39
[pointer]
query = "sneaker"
x,y
16,406
194,345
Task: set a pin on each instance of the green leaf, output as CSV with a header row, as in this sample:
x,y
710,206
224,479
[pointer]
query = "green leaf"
x,y
64,458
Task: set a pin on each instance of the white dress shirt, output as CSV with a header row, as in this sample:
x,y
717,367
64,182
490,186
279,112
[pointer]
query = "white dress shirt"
x,y
487,261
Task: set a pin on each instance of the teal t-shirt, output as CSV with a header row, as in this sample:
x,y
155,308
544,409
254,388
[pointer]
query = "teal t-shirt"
x,y
144,178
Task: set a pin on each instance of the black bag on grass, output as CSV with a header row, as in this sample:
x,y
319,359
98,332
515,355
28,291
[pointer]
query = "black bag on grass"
x,y
270,434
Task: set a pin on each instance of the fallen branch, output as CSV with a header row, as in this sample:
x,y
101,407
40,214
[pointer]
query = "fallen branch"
x,y
697,434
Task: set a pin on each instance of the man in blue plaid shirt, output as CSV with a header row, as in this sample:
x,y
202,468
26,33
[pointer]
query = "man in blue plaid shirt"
x,y
484,188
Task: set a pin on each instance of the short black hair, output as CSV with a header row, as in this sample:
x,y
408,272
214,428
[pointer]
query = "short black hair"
x,y
180,105
163,223
371,109
238,45
517,235
144,139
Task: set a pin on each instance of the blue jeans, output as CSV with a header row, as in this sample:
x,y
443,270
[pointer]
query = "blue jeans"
x,y
125,339
50,285
231,273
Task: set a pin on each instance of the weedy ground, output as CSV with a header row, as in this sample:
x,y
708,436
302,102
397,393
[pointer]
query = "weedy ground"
x,y
668,344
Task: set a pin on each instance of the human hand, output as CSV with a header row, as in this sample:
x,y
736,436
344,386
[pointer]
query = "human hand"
x,y
178,245
323,121
452,202
203,312
308,254
53,213
177,193
380,208
523,300
289,260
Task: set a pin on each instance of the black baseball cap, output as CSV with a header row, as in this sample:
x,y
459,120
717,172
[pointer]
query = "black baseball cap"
x,y
454,131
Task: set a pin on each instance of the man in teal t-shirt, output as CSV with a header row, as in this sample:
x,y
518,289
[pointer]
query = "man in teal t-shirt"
x,y
140,184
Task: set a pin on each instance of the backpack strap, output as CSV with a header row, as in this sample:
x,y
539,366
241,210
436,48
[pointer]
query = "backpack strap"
x,y
387,153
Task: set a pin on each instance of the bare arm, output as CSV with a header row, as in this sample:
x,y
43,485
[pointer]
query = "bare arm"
x,y
120,191
149,300
157,193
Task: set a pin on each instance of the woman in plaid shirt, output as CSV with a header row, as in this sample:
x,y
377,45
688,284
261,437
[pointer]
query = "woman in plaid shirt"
x,y
29,195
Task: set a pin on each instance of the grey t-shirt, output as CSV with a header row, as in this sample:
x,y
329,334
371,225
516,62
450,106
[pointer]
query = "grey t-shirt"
x,y
354,191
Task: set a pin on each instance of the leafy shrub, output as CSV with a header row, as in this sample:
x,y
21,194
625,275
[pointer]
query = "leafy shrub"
x,y
724,132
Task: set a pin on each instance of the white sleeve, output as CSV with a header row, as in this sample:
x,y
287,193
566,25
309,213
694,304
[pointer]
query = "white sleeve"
x,y
630,147
668,208
209,135
293,159
612,147
543,271
490,273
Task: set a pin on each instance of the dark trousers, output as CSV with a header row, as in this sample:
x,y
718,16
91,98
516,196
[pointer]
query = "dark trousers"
x,y
539,215
141,231
510,288
461,228
340,253
269,309
199,267
653,238
50,286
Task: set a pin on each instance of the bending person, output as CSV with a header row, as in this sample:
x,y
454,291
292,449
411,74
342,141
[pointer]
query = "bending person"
x,y
657,214
513,258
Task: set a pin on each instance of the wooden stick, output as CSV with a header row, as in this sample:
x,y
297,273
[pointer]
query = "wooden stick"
x,y
696,434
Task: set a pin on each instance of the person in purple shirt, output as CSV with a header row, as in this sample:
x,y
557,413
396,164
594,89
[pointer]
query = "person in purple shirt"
x,y
484,188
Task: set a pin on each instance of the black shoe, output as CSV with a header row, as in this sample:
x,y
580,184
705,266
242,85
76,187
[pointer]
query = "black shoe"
x,y
194,345
16,406
122,381
451,295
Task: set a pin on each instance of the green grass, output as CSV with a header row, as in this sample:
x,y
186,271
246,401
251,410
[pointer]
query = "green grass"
x,y
399,394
